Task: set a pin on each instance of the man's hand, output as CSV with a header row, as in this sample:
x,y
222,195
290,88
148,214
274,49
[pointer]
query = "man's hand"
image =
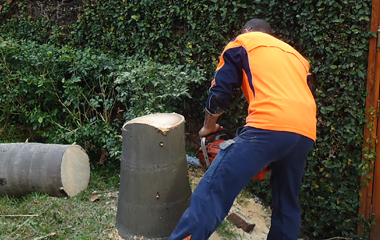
x,y
206,131
210,125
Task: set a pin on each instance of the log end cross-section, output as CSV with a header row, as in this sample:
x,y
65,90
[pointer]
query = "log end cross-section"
x,y
75,170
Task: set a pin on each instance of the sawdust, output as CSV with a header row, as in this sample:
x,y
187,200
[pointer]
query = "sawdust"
x,y
252,210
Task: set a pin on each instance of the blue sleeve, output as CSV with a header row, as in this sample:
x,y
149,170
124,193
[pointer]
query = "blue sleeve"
x,y
227,78
310,81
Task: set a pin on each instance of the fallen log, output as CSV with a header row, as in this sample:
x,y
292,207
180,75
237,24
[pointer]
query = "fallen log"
x,y
58,170
154,186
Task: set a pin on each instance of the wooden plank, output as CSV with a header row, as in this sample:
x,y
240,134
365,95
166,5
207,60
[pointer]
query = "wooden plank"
x,y
371,103
375,234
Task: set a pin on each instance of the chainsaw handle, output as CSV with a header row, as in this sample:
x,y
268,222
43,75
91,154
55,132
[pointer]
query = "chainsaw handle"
x,y
204,151
211,137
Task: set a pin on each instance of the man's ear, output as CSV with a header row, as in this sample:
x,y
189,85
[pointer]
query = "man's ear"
x,y
245,31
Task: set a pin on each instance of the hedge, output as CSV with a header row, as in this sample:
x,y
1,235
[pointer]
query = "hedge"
x,y
333,35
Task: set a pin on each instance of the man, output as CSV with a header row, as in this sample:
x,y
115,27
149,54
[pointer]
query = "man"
x,y
280,130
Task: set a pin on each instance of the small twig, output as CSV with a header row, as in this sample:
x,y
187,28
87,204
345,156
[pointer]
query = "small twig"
x,y
19,226
5,63
19,215
47,235
97,113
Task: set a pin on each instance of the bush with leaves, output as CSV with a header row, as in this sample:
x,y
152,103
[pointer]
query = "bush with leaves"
x,y
148,86
64,95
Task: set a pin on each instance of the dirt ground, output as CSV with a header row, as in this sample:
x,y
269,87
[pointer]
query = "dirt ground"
x,y
250,209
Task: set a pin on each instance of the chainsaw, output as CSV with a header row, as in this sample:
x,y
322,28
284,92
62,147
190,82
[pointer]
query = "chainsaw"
x,y
209,150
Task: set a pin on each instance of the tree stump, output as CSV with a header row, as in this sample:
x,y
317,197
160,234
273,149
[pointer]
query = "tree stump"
x,y
154,185
58,170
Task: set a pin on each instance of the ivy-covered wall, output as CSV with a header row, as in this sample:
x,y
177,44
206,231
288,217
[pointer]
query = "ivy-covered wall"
x,y
332,34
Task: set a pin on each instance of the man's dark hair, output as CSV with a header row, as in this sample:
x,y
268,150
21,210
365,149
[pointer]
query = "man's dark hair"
x,y
257,25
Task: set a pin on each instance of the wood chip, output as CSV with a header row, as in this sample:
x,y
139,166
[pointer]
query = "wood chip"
x,y
241,223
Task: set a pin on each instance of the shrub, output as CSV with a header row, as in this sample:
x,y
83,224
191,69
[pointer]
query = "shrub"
x,y
64,95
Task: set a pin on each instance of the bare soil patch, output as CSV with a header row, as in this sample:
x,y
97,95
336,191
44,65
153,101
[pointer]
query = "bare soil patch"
x,y
252,210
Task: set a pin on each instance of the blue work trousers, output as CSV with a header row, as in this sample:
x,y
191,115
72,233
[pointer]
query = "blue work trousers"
x,y
232,169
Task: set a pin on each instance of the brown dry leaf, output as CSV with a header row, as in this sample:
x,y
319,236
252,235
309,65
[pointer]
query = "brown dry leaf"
x,y
94,197
1,7
9,1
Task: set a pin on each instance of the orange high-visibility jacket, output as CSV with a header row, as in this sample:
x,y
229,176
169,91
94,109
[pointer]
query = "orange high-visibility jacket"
x,y
273,78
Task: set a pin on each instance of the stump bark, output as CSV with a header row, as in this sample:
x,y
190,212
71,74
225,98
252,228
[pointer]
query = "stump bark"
x,y
154,185
58,170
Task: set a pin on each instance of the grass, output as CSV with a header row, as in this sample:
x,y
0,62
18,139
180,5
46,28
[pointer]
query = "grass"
x,y
39,216
227,230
